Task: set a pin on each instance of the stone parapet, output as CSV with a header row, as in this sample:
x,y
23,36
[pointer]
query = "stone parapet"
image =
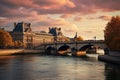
x,y
110,59
114,53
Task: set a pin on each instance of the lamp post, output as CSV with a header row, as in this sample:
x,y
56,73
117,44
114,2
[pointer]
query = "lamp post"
x,y
75,54
55,42
94,38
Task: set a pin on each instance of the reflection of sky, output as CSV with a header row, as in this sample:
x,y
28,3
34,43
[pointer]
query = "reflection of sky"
x,y
87,17
56,68
51,68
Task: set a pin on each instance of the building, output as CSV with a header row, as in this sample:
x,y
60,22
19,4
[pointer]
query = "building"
x,y
22,32
57,33
2,29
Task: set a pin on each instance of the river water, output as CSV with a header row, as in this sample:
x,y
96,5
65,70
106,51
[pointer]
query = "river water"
x,y
44,67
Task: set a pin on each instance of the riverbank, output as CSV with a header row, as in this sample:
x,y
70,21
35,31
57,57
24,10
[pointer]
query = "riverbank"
x,y
18,51
112,57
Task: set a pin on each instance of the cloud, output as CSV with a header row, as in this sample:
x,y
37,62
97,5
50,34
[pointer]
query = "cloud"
x,y
58,6
88,31
54,4
91,6
3,21
18,3
104,18
59,22
66,15
41,4
78,18
37,11
52,22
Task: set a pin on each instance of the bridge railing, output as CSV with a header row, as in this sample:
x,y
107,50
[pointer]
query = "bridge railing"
x,y
72,42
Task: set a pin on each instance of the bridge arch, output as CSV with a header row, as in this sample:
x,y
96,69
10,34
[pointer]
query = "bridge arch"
x,y
90,48
64,50
50,50
85,47
63,47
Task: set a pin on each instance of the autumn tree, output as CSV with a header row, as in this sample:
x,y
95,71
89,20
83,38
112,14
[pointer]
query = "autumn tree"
x,y
67,39
18,44
5,39
112,33
79,38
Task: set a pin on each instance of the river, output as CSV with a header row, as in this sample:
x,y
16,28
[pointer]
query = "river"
x,y
44,67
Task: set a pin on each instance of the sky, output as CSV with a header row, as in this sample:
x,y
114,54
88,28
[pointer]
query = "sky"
x,y
86,17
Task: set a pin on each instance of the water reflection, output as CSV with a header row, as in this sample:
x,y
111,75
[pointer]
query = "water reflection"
x,y
112,72
38,67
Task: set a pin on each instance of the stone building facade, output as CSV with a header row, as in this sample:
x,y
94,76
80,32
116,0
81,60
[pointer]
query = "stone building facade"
x,y
23,32
57,33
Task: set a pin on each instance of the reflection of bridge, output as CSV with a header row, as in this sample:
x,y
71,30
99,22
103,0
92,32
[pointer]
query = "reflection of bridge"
x,y
72,46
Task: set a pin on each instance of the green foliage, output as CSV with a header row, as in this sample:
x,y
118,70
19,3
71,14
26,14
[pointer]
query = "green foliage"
x,y
112,33
5,39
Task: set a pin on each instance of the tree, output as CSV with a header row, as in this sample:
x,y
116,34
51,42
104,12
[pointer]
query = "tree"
x,y
67,39
79,38
5,39
112,33
18,44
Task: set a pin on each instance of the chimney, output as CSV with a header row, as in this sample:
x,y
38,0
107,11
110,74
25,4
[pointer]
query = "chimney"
x,y
14,24
29,24
49,28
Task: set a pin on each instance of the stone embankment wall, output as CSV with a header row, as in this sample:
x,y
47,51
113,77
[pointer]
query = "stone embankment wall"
x,y
114,53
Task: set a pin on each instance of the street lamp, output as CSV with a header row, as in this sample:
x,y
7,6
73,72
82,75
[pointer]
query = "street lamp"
x,y
94,38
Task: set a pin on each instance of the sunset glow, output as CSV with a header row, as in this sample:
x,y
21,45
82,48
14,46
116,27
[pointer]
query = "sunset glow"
x,y
86,17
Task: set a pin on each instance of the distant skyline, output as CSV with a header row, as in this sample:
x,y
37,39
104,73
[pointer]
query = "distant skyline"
x,y
86,17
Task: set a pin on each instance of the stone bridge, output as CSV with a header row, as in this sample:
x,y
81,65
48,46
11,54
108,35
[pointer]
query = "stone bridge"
x,y
75,46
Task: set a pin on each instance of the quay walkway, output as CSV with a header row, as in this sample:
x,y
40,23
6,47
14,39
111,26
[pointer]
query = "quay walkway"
x,y
109,58
18,51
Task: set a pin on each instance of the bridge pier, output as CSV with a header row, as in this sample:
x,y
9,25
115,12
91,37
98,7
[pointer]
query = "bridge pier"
x,y
52,51
94,50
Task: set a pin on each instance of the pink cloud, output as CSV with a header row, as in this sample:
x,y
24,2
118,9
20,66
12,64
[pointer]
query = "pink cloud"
x,y
105,17
36,11
58,6
52,22
18,3
66,15
60,22
3,21
78,18
54,4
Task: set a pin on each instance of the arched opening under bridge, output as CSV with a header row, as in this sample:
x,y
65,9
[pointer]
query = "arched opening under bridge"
x,y
64,50
50,50
89,48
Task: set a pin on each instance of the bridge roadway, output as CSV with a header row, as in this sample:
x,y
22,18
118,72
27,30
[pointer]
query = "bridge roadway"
x,y
71,47
78,42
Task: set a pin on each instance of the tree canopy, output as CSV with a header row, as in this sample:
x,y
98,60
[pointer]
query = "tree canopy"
x,y
67,39
5,39
18,44
79,38
112,33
